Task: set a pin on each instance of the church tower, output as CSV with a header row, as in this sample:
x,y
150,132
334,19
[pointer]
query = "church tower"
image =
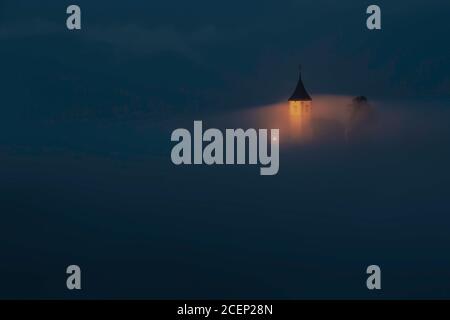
x,y
300,105
300,94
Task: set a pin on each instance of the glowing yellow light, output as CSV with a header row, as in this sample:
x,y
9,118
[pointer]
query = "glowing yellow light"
x,y
300,118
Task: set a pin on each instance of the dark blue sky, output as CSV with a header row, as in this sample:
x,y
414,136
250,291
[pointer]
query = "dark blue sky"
x,y
148,55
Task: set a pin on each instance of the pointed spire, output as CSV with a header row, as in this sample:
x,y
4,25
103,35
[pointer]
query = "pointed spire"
x,y
300,93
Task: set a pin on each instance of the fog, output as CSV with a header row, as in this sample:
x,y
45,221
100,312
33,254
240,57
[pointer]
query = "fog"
x,y
105,192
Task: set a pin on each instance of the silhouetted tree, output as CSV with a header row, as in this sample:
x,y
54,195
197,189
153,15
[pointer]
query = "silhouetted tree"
x,y
362,118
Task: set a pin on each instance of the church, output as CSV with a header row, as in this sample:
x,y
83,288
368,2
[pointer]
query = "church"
x,y
300,108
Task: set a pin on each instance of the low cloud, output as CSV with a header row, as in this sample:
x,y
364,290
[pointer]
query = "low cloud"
x,y
153,40
31,28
